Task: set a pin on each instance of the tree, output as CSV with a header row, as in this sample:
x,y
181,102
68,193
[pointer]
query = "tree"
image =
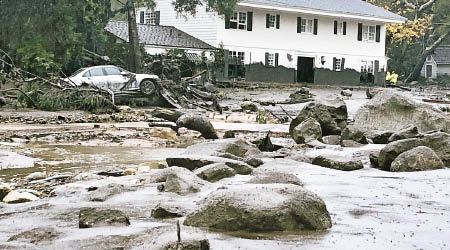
x,y
182,6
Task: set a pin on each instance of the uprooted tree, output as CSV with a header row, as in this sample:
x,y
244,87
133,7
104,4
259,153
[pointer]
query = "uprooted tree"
x,y
409,44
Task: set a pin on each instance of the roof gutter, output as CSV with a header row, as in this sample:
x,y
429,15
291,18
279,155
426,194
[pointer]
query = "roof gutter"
x,y
293,9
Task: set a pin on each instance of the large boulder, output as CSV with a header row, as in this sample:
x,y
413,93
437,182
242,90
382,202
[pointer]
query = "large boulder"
x,y
330,113
198,123
166,211
182,182
36,236
353,134
105,192
417,159
259,208
14,197
215,172
275,177
235,147
406,133
307,131
332,139
337,163
95,217
391,110
380,136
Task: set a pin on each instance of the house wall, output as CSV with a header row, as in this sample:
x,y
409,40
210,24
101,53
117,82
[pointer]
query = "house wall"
x,y
202,26
443,69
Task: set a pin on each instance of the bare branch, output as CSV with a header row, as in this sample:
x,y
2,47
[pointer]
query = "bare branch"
x,y
426,5
409,5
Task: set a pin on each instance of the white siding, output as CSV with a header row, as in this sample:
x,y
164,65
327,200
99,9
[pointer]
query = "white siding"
x,y
202,25
443,70
286,40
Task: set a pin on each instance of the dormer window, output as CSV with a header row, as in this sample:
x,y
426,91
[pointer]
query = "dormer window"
x,y
150,18
238,21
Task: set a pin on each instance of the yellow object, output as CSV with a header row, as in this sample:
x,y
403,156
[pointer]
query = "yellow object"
x,y
392,78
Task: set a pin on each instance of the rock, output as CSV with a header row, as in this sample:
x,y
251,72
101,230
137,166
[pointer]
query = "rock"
x,y
189,162
14,197
181,181
2,101
354,134
198,123
188,245
392,150
307,131
229,134
167,114
87,177
130,171
301,95
166,211
391,110
148,166
275,177
405,133
351,144
163,133
4,190
332,139
417,159
373,157
370,94
249,106
215,172
124,108
36,176
36,236
235,147
347,93
105,192
96,217
337,163
380,137
254,162
261,208
331,114
239,167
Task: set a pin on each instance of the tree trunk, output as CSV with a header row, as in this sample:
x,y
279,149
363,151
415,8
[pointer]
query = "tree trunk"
x,y
415,74
135,62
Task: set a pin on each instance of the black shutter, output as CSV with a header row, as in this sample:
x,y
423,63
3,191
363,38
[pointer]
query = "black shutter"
x,y
344,32
299,25
378,35
227,21
278,21
267,20
249,21
158,17
267,59
335,27
316,23
276,59
142,17
342,64
334,63
360,27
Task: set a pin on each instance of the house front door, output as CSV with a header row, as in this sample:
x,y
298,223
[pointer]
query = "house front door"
x,y
429,71
305,69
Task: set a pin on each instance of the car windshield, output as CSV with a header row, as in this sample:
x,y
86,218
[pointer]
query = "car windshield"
x,y
77,72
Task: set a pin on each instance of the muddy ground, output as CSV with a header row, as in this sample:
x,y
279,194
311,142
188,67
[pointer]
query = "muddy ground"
x,y
369,208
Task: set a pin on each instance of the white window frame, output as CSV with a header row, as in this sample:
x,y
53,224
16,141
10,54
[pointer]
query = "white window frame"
x,y
369,33
340,28
338,64
271,59
272,21
150,18
368,65
239,56
239,19
307,26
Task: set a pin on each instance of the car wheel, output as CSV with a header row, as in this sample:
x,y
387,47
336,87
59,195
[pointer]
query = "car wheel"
x,y
147,87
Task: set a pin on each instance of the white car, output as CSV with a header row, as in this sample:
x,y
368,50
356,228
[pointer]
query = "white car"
x,y
113,79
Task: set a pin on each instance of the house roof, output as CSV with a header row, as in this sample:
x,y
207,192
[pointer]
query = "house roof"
x,y
165,36
442,54
352,7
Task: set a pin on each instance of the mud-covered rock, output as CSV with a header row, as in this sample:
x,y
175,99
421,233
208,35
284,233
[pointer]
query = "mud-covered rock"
x,y
275,177
36,176
391,110
181,181
96,217
188,245
14,197
380,137
373,158
229,134
254,162
332,139
354,134
307,131
405,133
347,93
189,162
167,114
350,144
166,211
417,159
36,236
198,123
105,192
259,208
215,172
392,150
338,163
236,147
249,106
4,190
330,113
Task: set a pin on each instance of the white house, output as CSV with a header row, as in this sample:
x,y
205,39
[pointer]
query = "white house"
x,y
312,39
437,64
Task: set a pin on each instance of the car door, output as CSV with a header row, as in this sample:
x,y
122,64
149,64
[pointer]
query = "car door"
x,y
115,79
96,77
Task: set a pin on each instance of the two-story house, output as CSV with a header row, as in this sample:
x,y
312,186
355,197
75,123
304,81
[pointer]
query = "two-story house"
x,y
326,41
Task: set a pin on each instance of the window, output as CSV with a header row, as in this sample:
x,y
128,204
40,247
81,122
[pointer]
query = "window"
x,y
367,66
340,28
238,56
112,71
368,33
270,59
272,21
96,72
150,18
238,20
338,63
307,26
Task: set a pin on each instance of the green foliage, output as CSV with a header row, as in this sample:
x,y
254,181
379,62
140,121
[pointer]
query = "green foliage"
x,y
261,117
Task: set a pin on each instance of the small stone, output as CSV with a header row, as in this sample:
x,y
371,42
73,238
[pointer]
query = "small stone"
x,y
347,93
36,176
130,171
95,217
14,197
